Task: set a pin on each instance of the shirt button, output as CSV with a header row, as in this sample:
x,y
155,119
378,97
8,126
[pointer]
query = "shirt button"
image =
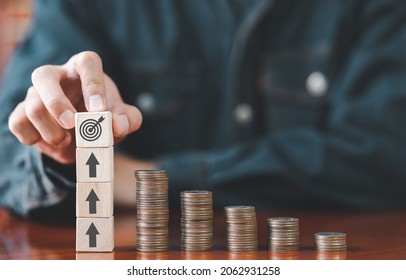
x,y
243,113
145,102
316,84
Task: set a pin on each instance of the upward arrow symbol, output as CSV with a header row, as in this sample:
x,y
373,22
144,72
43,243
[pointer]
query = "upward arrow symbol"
x,y
92,162
92,232
92,198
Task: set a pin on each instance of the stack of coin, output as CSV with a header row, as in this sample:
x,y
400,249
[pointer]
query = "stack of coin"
x,y
241,228
197,220
330,241
152,210
283,234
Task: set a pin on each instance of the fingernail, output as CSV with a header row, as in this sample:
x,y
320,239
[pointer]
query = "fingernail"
x,y
67,118
96,103
122,125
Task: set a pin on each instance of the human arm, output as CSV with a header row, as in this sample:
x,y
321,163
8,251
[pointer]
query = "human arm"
x,y
37,180
124,181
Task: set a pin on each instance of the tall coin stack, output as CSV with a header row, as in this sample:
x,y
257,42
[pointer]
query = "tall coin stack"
x,y
330,241
152,210
283,234
197,220
241,228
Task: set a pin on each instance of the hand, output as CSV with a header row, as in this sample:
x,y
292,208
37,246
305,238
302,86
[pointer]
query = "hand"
x,y
124,179
45,119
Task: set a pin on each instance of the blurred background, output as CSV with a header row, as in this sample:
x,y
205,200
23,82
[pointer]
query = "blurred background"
x,y
15,18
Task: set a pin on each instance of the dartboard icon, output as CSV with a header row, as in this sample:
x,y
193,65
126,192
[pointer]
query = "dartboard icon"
x,y
90,129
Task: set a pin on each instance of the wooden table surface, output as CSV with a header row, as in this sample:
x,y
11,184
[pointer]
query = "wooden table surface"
x,y
370,235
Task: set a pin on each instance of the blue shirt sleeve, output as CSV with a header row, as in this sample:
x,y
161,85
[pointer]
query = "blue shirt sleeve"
x,y
30,182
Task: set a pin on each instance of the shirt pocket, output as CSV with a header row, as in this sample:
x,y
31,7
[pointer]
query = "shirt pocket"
x,y
172,100
295,86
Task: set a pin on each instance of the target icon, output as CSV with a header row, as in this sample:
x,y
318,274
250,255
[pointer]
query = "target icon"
x,y
91,130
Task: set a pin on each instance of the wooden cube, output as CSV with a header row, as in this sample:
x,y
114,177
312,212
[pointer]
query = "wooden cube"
x,y
94,199
94,129
95,234
94,165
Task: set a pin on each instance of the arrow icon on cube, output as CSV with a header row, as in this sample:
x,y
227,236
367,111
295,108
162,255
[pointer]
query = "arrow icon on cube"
x,y
92,232
92,198
92,162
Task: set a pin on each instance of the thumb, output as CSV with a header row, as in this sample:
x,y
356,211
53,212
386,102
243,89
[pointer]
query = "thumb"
x,y
126,119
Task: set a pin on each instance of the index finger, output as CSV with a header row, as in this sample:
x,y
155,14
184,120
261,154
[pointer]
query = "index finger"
x,y
88,65
46,80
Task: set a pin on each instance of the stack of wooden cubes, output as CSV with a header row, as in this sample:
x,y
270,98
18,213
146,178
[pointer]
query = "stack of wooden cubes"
x,y
95,182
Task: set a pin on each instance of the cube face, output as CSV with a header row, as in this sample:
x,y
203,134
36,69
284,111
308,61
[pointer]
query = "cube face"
x,y
94,177
94,165
95,235
94,129
94,200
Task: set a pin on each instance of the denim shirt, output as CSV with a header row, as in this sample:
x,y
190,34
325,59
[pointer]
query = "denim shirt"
x,y
277,104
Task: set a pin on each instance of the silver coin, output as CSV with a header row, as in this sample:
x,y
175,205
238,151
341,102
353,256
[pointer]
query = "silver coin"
x,y
283,234
196,220
330,241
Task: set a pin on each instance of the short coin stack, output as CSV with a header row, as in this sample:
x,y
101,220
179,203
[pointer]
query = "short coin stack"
x,y
283,234
152,210
330,241
197,220
241,228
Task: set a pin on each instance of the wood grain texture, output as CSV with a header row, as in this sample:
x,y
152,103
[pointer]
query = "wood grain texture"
x,y
94,199
93,129
373,235
88,256
101,164
95,234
